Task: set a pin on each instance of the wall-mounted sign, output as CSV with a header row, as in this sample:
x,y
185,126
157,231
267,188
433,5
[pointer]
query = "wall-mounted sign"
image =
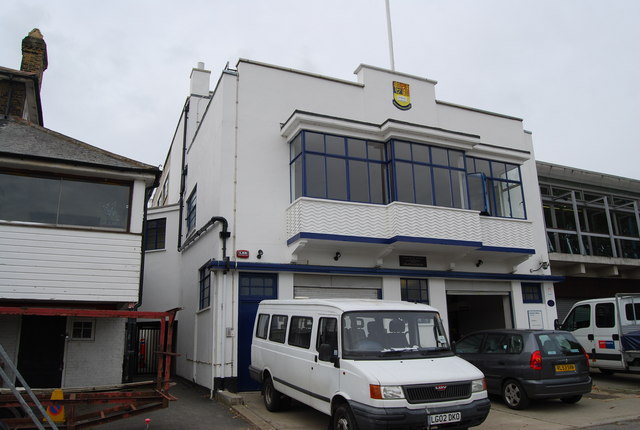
x,y
413,261
242,253
401,97
535,319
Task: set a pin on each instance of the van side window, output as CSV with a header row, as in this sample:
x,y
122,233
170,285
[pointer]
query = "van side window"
x,y
605,315
263,326
278,328
632,311
300,331
328,333
580,317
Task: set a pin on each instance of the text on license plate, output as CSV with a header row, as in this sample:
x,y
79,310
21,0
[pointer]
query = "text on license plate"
x,y
565,367
450,417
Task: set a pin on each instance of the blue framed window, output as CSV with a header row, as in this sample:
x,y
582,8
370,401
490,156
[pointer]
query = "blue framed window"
x,y
414,290
428,175
205,288
191,211
338,168
335,167
531,292
155,234
496,188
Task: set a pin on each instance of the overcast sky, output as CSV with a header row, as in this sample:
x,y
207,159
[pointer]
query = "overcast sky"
x,y
119,70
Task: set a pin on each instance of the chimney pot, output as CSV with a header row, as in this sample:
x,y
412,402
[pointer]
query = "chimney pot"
x,y
34,54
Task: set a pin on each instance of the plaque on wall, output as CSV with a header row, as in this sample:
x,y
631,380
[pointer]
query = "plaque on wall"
x,y
413,261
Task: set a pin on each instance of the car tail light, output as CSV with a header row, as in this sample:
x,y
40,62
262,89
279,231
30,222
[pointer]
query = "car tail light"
x,y
585,356
536,360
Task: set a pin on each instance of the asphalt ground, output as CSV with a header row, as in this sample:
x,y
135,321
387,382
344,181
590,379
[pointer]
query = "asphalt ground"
x,y
614,403
193,410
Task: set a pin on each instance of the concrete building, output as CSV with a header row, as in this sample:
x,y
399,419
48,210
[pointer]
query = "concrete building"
x,y
592,223
282,183
71,224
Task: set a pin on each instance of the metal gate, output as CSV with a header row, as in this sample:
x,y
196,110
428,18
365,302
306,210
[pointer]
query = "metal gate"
x,y
148,339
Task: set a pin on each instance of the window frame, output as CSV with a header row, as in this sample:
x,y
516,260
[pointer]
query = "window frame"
x,y
282,320
80,320
158,240
423,289
294,330
262,326
190,216
60,181
532,292
204,288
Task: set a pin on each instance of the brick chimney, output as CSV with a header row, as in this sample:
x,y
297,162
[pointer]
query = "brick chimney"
x,y
34,54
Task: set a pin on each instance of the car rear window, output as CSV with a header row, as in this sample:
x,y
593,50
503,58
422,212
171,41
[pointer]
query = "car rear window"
x,y
558,344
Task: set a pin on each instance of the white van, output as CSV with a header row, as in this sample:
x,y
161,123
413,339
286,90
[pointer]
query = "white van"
x,y
368,364
609,330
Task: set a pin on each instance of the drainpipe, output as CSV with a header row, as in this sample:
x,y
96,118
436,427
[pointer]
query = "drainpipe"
x,y
183,172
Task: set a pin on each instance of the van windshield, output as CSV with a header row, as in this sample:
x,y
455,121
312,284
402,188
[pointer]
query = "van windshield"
x,y
392,334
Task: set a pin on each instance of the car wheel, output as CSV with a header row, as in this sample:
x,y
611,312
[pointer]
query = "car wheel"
x,y
571,399
343,418
272,397
514,395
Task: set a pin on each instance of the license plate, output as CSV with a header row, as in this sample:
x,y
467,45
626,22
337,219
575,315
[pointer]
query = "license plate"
x,y
565,367
449,417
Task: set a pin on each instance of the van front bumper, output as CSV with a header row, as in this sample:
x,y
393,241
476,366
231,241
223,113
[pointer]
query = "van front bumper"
x,y
370,417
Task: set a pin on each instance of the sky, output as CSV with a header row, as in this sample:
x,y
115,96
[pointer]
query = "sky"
x,y
119,70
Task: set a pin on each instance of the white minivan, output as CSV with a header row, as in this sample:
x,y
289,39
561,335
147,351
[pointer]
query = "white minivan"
x,y
368,364
609,330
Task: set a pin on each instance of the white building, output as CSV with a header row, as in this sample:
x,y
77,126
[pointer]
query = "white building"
x,y
71,223
333,188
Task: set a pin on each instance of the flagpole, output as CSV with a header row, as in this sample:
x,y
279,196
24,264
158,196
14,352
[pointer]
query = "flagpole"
x,y
393,66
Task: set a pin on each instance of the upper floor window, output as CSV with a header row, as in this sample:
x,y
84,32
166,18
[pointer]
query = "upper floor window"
x,y
64,201
343,168
155,234
428,175
191,211
338,168
496,188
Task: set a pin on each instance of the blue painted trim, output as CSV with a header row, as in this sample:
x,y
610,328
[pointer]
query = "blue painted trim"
x,y
381,241
374,271
504,249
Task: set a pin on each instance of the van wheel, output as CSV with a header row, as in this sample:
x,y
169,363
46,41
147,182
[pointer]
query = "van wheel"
x,y
514,395
571,399
343,418
272,397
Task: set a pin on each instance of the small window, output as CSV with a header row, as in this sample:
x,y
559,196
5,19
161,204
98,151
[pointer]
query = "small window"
x,y
605,315
632,311
205,288
470,345
263,326
300,332
414,290
83,329
328,333
155,234
191,211
278,328
531,292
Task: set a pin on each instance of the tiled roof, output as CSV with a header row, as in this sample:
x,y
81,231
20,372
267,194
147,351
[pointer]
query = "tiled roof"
x,y
24,139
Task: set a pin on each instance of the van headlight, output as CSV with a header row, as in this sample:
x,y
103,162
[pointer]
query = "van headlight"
x,y
381,392
478,385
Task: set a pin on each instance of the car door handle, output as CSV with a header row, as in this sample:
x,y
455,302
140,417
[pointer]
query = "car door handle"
x,y
590,336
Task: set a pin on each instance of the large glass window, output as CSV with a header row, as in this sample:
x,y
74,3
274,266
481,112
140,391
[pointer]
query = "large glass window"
x,y
343,168
429,175
338,168
64,201
497,188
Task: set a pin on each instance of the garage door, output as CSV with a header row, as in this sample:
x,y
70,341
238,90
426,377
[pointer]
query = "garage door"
x,y
336,287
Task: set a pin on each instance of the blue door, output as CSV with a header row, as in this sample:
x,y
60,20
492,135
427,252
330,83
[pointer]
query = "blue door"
x,y
254,287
